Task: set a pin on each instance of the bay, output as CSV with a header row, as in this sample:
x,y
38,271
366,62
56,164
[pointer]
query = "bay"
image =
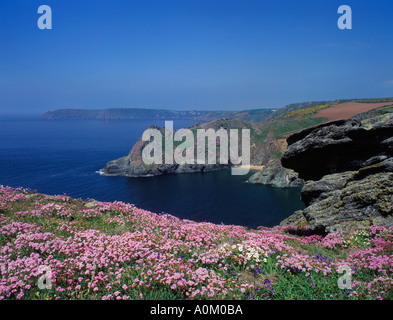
x,y
63,157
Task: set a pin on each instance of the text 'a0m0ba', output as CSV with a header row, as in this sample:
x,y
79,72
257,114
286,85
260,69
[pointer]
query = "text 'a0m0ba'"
x,y
218,309
203,309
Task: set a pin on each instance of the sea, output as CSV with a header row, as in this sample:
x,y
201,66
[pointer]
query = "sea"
x,y
65,157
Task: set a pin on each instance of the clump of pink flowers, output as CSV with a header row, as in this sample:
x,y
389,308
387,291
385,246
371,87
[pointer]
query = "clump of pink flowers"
x,y
117,251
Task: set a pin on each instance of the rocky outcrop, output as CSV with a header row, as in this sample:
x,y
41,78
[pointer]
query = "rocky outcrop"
x,y
132,165
276,175
339,146
126,167
348,168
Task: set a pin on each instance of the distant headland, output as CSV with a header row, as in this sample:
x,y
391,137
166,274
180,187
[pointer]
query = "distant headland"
x,y
254,115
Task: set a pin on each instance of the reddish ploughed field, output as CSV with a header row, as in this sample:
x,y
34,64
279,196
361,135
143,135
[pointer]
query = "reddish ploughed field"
x,y
347,110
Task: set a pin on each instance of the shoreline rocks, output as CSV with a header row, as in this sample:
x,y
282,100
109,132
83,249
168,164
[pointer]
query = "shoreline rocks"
x,y
274,174
348,168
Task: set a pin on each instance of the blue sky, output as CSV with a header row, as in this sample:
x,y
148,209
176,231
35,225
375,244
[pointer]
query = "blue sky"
x,y
191,54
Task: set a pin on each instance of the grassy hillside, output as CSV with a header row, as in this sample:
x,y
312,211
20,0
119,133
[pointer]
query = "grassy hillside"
x,y
305,105
98,250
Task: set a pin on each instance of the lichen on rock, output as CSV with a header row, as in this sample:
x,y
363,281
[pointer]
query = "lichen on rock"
x,y
348,168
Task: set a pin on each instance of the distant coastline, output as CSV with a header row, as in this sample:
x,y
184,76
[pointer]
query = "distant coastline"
x,y
156,114
249,115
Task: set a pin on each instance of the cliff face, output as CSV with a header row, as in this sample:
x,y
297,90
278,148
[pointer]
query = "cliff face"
x,y
274,174
348,168
132,165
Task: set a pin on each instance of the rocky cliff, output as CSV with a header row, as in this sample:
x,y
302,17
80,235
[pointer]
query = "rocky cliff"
x,y
348,168
274,174
133,166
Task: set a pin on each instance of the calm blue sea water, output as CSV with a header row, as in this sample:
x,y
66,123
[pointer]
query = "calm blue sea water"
x,y
57,157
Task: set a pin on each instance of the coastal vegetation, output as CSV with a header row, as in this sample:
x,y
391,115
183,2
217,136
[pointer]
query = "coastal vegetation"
x,y
304,111
113,250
